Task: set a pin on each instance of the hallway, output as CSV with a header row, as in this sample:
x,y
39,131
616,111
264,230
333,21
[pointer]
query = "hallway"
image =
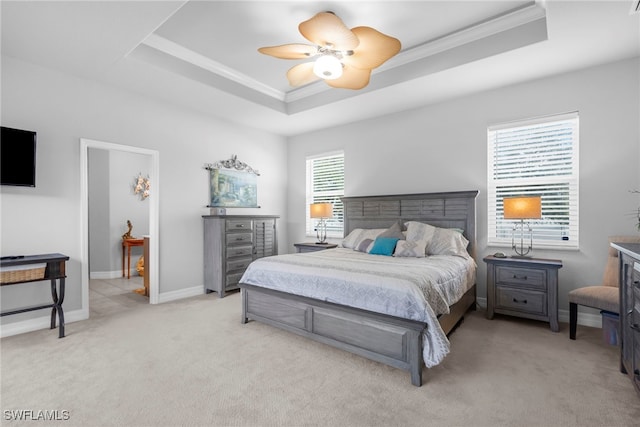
x,y
108,296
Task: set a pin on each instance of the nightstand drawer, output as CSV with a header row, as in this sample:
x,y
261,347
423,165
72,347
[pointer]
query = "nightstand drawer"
x,y
532,278
521,300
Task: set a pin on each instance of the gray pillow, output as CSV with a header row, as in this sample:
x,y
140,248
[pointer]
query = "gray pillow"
x,y
394,231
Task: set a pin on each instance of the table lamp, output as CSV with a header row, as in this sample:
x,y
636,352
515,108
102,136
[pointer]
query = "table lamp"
x,y
322,211
522,208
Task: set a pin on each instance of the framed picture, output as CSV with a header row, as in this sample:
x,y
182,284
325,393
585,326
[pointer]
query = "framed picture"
x,y
233,184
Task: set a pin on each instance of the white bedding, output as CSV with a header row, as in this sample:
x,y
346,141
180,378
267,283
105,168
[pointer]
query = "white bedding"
x,y
411,288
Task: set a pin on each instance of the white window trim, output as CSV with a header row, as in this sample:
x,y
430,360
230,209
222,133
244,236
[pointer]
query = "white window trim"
x,y
310,223
573,180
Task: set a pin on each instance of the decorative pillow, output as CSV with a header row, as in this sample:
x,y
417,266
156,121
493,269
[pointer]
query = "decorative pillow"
x,y
364,246
419,231
394,231
359,234
384,246
447,241
410,248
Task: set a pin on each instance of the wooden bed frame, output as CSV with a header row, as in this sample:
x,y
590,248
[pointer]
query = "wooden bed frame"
x,y
391,340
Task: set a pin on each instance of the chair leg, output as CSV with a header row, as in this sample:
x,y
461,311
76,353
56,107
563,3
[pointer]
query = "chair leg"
x,y
573,320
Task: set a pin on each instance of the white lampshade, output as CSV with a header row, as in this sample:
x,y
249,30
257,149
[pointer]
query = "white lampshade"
x,y
321,210
327,67
522,207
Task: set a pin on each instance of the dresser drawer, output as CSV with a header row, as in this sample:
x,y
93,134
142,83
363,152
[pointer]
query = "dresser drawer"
x,y
531,278
239,224
233,279
238,264
521,300
237,251
239,238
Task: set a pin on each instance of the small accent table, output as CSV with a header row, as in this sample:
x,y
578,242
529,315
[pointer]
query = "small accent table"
x,y
313,247
523,287
54,270
127,244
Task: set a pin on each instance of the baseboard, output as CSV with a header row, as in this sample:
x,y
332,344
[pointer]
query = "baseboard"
x,y
105,275
182,293
584,319
38,323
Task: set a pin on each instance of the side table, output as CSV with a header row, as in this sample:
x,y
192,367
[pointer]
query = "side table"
x,y
313,247
523,287
127,244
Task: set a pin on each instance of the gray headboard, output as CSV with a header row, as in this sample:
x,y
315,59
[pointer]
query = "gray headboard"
x,y
448,210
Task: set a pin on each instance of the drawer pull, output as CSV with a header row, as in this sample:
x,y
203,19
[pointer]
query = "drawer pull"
x,y
517,301
239,225
239,239
522,277
637,283
635,327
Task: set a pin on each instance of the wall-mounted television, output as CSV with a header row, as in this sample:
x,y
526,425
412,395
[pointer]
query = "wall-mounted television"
x,y
17,157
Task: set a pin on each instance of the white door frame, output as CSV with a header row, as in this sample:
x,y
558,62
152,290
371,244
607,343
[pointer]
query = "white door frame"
x,y
154,223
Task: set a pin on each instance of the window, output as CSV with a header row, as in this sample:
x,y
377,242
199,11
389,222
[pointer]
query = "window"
x,y
325,184
536,157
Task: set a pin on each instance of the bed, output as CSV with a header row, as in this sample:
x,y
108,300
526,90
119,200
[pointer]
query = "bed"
x,y
291,291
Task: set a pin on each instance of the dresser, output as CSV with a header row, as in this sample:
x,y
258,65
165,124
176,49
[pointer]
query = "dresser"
x,y
231,242
629,255
523,287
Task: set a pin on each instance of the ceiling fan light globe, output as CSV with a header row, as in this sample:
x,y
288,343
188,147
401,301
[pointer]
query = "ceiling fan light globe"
x,y
327,67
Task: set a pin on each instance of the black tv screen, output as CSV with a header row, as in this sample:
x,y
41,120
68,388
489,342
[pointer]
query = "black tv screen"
x,y
17,157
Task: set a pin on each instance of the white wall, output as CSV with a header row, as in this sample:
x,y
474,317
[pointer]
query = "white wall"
x,y
443,147
63,109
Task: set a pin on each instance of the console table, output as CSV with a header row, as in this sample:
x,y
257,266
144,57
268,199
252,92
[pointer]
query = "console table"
x,y
54,270
127,244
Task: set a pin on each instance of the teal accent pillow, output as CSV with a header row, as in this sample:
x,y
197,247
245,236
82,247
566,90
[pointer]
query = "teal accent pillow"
x,y
384,246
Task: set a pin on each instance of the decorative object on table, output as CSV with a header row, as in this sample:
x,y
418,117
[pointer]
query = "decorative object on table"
x,y
528,207
128,235
345,57
322,211
142,186
233,184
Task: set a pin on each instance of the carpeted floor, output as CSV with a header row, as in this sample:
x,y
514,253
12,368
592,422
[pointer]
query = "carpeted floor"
x,y
191,362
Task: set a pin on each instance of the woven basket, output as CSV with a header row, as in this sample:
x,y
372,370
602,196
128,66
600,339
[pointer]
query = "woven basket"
x,y
13,276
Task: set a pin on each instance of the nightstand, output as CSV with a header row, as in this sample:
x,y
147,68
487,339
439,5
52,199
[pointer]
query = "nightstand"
x,y
523,287
313,247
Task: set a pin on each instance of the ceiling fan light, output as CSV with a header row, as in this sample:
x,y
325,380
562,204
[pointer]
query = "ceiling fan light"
x,y
328,67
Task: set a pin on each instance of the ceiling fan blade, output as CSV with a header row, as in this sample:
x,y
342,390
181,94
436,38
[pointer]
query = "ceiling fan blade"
x,y
290,51
301,74
374,50
326,29
352,78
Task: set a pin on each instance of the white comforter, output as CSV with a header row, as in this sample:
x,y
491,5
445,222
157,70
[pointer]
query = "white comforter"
x,y
411,288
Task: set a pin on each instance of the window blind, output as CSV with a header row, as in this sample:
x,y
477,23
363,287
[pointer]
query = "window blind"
x,y
536,157
325,184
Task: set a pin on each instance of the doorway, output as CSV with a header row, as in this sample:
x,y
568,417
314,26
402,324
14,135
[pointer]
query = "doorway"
x,y
151,264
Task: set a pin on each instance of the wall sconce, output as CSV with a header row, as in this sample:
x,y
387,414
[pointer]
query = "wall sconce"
x,y
322,211
522,208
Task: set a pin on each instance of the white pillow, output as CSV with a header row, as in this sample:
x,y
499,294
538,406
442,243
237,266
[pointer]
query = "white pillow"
x,y
446,241
410,248
359,234
440,241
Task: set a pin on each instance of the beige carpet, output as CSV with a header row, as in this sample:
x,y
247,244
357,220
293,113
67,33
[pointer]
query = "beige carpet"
x,y
192,362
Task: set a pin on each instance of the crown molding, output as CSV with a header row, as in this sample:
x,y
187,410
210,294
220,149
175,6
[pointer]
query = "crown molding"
x,y
170,48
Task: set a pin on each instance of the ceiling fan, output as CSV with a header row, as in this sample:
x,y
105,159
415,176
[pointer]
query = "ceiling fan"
x,y
345,57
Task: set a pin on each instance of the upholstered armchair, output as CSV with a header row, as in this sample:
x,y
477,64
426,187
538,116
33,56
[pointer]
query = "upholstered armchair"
x,y
604,296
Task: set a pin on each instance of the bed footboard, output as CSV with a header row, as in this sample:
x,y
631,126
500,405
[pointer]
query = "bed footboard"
x,y
390,340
